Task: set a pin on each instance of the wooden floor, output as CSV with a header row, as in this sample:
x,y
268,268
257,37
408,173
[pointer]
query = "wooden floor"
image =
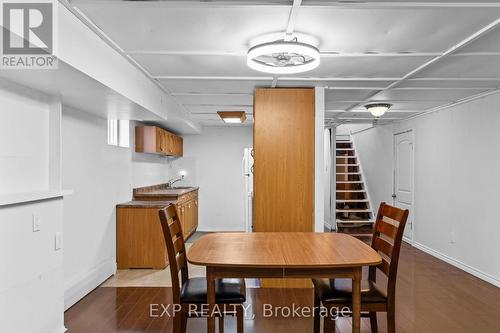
x,y
432,296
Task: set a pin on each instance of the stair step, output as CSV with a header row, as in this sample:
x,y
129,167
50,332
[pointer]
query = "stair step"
x,y
349,182
349,149
354,210
347,165
348,173
345,156
353,191
351,200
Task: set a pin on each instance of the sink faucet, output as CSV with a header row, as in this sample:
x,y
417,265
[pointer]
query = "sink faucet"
x,y
172,181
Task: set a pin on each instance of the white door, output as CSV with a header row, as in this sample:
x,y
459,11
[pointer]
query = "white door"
x,y
403,177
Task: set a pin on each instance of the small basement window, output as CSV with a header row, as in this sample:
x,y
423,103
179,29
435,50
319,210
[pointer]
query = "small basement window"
x,y
119,133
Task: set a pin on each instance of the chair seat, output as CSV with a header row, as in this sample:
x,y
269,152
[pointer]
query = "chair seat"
x,y
340,291
227,291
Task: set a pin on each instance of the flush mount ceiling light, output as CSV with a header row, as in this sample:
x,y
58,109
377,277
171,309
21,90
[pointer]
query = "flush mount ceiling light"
x,y
283,57
232,117
378,109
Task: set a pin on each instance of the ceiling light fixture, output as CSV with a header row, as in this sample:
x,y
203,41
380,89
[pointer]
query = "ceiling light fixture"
x,y
378,109
232,117
283,57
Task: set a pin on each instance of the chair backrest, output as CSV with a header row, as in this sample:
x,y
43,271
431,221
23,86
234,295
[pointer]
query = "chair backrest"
x,y
176,249
387,238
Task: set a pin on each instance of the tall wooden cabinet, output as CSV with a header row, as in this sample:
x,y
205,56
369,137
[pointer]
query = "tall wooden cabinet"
x,y
284,160
284,127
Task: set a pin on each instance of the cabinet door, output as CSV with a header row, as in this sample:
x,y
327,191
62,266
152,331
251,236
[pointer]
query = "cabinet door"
x,y
195,214
159,140
178,145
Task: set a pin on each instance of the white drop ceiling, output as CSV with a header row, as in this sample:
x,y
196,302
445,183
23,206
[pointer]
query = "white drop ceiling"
x,y
417,55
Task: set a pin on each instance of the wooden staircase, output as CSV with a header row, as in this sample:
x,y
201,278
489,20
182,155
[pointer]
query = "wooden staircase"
x,y
353,212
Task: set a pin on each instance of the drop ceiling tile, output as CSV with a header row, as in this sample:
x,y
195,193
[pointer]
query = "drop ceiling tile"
x,y
449,84
425,95
459,66
409,106
388,30
336,106
366,67
214,108
195,65
157,26
228,99
334,84
488,43
214,86
366,114
332,95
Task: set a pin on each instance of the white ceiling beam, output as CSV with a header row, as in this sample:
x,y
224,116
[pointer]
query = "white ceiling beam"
x,y
324,54
478,34
292,19
275,82
273,3
208,94
270,78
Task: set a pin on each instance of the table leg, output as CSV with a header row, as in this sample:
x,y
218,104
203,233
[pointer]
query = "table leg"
x,y
210,301
356,300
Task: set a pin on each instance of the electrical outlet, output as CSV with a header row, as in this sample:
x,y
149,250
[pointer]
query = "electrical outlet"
x,y
58,241
36,222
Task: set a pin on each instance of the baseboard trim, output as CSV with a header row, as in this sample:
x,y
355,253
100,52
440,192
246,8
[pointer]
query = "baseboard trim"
x,y
469,269
84,283
328,225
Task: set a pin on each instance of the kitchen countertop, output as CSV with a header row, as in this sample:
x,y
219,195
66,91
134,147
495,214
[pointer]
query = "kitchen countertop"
x,y
167,192
146,204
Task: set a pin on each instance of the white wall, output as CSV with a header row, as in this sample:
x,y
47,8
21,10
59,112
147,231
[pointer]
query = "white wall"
x,y
456,182
31,293
101,177
213,161
24,148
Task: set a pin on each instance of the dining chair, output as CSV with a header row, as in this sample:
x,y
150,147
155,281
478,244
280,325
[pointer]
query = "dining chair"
x,y
230,294
337,293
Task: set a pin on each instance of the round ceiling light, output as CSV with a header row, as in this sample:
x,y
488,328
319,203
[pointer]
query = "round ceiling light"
x,y
283,57
378,109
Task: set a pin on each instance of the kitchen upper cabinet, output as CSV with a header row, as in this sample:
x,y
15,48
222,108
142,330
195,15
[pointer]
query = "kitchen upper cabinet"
x,y
156,140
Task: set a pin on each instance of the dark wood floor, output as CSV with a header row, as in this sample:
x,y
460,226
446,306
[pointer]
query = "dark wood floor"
x,y
432,296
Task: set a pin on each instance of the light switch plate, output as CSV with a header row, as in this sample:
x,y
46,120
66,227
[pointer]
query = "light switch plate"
x,y
36,222
58,241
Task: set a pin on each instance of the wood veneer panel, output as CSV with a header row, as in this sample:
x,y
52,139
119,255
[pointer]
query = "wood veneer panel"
x,y
284,123
284,160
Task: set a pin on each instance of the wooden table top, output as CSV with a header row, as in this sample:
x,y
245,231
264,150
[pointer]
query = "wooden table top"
x,y
282,249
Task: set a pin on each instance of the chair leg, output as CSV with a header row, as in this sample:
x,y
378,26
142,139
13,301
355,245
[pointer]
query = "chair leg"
x,y
177,327
329,324
221,324
239,318
317,318
391,320
373,322
184,319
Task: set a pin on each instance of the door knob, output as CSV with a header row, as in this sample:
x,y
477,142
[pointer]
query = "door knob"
x,y
394,196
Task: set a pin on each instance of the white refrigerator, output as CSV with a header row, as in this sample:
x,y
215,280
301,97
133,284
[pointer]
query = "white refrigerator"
x,y
248,175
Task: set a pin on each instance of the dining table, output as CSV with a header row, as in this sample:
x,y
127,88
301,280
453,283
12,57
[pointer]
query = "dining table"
x,y
285,255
